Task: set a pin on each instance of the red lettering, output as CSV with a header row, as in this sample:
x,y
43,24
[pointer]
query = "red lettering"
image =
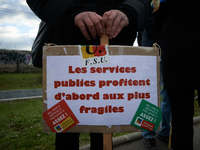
x,y
99,70
82,96
56,84
101,110
133,69
115,83
111,69
75,96
84,70
127,70
92,70
71,83
147,95
121,69
148,82
58,96
121,109
105,69
77,70
130,96
102,83
93,110
135,82
92,83
115,109
87,83
116,69
137,95
70,70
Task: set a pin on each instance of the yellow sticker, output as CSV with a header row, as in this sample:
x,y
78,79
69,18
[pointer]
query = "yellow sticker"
x,y
67,123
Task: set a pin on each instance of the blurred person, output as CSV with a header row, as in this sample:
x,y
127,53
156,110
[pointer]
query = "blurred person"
x,y
148,39
82,22
176,26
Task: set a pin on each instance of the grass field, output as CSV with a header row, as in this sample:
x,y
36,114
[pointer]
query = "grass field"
x,y
15,81
21,126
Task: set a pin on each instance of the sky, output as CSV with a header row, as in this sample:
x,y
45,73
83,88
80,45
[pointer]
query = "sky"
x,y
18,25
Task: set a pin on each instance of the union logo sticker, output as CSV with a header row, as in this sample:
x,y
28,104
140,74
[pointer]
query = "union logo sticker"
x,y
94,55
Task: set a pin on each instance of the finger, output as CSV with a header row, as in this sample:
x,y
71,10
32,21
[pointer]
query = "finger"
x,y
115,27
120,21
99,25
101,29
108,20
90,25
105,17
79,22
83,29
118,30
123,23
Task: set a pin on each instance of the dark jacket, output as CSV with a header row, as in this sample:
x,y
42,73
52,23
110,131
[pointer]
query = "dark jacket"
x,y
57,25
177,27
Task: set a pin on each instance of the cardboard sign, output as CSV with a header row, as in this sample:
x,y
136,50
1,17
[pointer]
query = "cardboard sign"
x,y
104,97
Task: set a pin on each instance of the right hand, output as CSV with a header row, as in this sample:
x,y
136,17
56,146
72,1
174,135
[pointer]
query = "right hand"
x,y
114,21
91,21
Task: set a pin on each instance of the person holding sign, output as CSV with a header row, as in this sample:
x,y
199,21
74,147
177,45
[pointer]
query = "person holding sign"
x,y
80,22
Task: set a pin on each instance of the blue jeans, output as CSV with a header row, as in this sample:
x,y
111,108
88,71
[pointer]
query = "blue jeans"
x,y
166,117
165,106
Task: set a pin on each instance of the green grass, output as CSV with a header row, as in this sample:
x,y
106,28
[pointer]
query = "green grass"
x,y
21,127
14,81
196,108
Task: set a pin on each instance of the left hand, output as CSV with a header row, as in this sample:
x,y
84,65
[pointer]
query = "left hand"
x,y
91,21
114,22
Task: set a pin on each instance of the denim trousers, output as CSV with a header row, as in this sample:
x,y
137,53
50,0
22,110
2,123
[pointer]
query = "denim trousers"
x,y
166,117
165,106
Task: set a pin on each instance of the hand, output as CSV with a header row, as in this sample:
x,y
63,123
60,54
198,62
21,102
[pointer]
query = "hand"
x,y
91,21
114,21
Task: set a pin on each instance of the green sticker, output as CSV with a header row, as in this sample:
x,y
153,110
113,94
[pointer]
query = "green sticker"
x,y
147,116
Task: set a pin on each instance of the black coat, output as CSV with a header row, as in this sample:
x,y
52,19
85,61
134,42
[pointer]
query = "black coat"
x,y
178,28
57,24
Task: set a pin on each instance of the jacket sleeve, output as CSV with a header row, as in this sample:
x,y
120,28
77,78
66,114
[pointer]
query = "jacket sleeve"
x,y
62,12
137,11
55,12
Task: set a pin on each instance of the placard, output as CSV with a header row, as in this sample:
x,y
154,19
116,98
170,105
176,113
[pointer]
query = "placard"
x,y
104,95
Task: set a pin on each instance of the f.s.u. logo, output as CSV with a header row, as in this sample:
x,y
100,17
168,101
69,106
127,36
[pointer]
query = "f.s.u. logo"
x,y
94,55
89,51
